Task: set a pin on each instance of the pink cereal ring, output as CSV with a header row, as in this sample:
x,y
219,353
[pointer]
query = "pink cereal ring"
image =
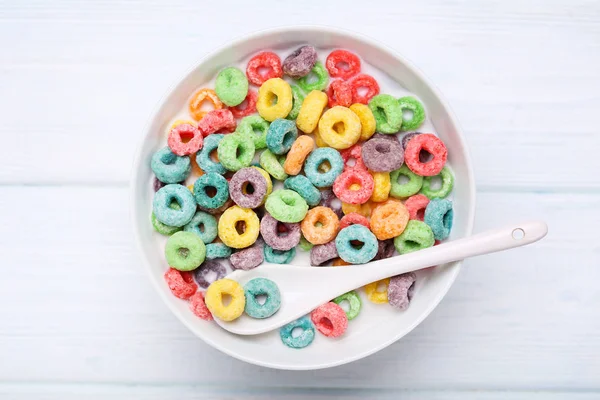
x,y
217,121
431,144
354,218
182,284
339,93
330,319
198,307
247,107
416,206
185,139
353,153
347,193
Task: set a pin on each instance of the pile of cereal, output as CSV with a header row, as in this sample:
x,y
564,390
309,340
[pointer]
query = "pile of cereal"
x,y
314,162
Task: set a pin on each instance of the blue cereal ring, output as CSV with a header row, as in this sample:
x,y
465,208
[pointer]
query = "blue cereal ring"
x,y
169,215
203,158
304,339
261,287
169,167
281,136
217,250
316,159
204,225
301,185
439,216
349,253
211,181
279,256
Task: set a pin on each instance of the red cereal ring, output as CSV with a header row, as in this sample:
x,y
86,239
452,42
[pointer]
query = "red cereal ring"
x,y
364,88
266,61
433,145
185,139
182,284
416,206
217,121
354,218
330,319
353,153
344,189
342,64
339,93
198,306
247,107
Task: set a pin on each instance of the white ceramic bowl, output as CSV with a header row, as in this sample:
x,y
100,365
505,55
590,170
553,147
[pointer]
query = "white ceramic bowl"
x,y
377,326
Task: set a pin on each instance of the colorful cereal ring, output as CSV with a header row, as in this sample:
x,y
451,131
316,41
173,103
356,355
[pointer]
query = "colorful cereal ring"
x,y
185,139
301,185
376,296
281,136
342,187
339,93
297,100
431,144
198,307
206,269
231,86
447,184
211,190
227,227
339,127
274,99
286,206
235,152
367,120
330,319
328,199
279,256
162,228
353,157
271,164
248,258
185,251
319,158
161,205
305,244
354,303
417,236
311,110
302,340
416,206
414,106
389,219
217,250
322,253
361,209
400,290
284,239
204,225
301,148
205,159
439,216
199,98
320,225
354,218
342,64
214,299
404,190
169,167
263,66
346,250
366,83
262,287
382,155
387,113
382,185
300,62
181,284
248,188
385,250
221,121
320,83
255,128
246,107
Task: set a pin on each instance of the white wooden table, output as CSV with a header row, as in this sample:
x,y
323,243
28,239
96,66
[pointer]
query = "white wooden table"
x,y
79,319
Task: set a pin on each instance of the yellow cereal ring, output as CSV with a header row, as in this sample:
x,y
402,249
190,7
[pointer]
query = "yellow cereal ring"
x,y
362,209
318,139
376,296
367,120
268,179
214,299
297,154
339,127
382,186
310,111
274,99
227,228
178,122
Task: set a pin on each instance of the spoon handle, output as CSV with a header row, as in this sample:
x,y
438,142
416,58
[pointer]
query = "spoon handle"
x,y
483,243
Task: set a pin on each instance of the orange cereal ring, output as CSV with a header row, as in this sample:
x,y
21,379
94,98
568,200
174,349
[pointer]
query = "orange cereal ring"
x,y
338,262
361,209
198,99
195,168
320,225
389,219
297,154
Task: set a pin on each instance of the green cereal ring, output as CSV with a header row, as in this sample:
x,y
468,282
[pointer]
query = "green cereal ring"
x,y
256,128
286,206
418,113
231,86
444,191
387,113
217,250
162,228
297,99
321,82
404,190
305,244
416,236
353,300
270,163
185,251
234,152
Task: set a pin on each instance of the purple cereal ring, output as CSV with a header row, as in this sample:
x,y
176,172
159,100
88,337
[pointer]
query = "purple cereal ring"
x,y
328,199
384,136
322,253
300,62
400,290
279,235
385,249
382,155
248,258
156,184
215,211
248,188
203,271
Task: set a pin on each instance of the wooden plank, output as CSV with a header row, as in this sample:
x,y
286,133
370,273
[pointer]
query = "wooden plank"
x,y
80,308
80,80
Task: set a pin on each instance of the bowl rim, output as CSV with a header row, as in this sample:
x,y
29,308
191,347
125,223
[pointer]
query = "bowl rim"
x,y
469,220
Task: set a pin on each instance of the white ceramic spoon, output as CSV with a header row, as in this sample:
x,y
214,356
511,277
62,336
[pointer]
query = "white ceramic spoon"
x,y
305,288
